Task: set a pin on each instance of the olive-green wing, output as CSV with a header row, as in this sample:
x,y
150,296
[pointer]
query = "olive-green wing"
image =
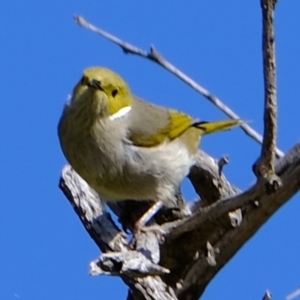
x,y
151,125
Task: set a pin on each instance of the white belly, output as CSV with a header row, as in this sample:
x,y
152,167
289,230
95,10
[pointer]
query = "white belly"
x,y
145,173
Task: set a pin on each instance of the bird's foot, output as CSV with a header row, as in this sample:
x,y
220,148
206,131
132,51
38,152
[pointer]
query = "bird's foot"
x,y
144,230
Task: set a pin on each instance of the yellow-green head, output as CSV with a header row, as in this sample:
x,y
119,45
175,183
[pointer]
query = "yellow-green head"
x,y
102,91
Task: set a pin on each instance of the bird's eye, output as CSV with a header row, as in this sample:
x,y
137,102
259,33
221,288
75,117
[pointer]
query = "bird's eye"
x,y
114,93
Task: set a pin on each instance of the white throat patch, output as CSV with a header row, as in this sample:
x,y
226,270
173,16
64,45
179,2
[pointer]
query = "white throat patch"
x,y
120,113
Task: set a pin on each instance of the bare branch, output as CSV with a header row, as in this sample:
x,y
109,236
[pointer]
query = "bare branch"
x,y
267,296
91,211
209,184
224,206
230,240
264,167
133,266
294,295
155,56
222,162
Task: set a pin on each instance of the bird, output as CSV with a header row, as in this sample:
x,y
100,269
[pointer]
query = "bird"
x,y
125,147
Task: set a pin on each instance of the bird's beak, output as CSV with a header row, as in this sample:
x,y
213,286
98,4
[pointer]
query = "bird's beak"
x,y
96,84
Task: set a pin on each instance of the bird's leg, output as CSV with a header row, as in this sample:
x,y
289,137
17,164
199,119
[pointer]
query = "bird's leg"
x,y
142,221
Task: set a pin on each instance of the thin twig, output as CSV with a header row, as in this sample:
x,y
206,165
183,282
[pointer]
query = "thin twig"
x,y
267,296
155,56
265,164
293,295
269,63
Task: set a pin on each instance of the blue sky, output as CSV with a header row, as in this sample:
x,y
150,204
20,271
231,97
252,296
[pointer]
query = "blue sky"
x,y
44,249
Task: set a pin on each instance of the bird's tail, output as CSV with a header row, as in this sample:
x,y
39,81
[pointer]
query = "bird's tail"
x,y
211,127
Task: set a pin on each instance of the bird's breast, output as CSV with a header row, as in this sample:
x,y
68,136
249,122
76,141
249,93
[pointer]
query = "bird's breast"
x,y
117,169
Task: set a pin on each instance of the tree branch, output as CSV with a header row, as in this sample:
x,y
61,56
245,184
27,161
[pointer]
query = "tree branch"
x,y
264,167
267,296
295,294
133,266
260,208
155,56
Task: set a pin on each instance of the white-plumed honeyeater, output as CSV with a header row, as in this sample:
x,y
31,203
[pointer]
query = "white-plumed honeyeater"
x,y
125,147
